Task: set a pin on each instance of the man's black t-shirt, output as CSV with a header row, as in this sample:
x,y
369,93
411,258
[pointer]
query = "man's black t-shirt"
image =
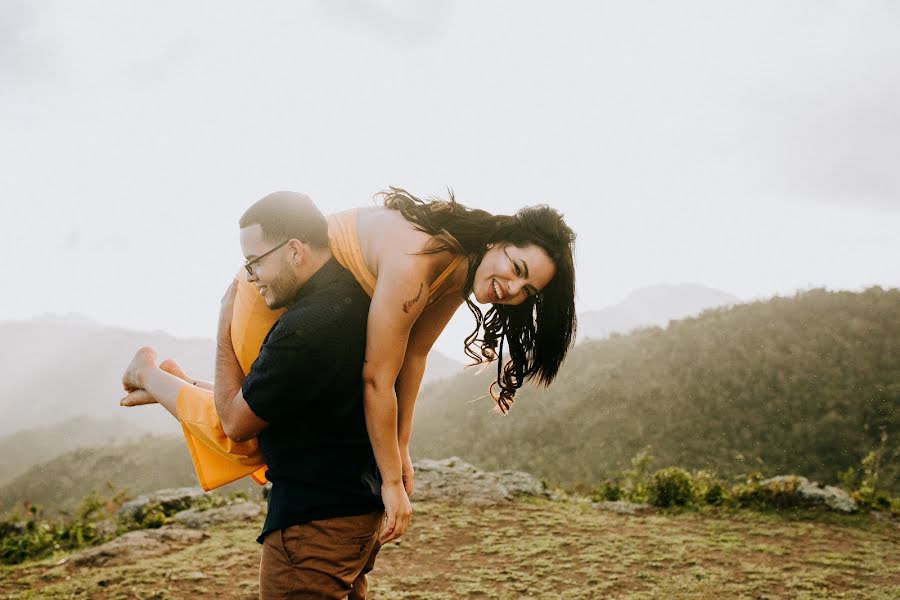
x,y
307,384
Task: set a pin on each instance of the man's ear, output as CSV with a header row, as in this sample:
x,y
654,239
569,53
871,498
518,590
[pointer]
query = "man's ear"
x,y
298,250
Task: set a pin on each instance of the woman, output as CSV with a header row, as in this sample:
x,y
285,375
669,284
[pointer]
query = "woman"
x,y
419,260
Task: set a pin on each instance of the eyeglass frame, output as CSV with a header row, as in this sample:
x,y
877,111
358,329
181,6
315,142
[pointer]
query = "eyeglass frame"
x,y
248,265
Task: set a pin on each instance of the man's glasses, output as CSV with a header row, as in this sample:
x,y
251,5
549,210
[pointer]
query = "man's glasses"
x,y
249,264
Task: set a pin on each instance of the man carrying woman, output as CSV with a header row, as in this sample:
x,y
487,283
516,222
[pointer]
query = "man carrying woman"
x,y
418,260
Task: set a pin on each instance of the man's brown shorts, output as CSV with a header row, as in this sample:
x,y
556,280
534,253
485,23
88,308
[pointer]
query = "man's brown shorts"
x,y
328,558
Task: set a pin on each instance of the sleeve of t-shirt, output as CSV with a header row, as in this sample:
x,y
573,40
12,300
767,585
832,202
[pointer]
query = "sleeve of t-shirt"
x,y
285,374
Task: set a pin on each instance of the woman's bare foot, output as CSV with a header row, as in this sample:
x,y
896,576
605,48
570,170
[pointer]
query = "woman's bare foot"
x,y
138,398
170,366
133,378
141,397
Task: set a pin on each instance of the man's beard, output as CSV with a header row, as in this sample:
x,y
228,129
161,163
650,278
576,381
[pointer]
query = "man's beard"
x,y
283,288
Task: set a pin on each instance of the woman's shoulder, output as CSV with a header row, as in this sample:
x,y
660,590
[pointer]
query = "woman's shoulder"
x,y
386,232
385,236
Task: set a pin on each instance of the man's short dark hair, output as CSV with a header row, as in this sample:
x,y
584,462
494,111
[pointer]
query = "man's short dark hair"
x,y
286,215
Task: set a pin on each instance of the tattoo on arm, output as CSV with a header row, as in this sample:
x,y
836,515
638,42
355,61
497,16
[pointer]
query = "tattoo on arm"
x,y
409,303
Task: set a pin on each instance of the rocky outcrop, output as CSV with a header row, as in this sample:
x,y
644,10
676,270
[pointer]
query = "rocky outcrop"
x,y
811,493
136,545
169,500
198,519
454,481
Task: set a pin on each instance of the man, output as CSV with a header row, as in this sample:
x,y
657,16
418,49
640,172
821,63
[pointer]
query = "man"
x,y
303,399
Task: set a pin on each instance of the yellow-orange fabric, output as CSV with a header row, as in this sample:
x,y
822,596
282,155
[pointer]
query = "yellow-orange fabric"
x,y
218,460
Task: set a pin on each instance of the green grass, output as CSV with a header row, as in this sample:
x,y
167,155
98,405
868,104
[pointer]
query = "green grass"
x,y
537,549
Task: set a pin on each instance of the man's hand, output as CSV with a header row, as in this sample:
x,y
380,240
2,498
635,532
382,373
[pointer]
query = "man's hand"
x,y
226,308
397,512
408,471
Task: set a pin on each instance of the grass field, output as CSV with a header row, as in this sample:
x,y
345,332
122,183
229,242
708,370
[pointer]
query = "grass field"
x,y
537,549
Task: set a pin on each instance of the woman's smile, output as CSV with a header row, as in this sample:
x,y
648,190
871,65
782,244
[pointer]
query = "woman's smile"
x,y
509,274
498,292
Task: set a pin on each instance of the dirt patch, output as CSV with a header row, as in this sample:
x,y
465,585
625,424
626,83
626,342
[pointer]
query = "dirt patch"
x,y
538,549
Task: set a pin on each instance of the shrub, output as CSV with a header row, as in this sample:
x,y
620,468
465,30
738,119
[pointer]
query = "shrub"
x,y
672,486
27,536
152,516
774,494
708,488
609,490
869,493
208,501
636,480
864,483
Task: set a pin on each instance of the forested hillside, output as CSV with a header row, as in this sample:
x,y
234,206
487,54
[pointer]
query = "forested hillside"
x,y
147,464
23,449
802,384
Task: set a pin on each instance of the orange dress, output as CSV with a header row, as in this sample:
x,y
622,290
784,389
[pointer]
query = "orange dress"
x,y
218,460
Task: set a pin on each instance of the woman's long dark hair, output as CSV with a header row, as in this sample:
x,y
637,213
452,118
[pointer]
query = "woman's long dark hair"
x,y
540,330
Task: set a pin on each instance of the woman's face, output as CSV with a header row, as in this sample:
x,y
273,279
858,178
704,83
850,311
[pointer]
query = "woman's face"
x,y
509,274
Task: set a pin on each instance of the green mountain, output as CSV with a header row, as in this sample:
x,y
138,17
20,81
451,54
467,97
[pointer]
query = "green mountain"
x,y
802,384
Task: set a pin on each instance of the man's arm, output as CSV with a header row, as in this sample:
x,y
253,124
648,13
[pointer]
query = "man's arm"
x,y
239,421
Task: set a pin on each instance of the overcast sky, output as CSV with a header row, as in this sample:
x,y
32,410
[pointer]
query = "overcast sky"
x,y
753,147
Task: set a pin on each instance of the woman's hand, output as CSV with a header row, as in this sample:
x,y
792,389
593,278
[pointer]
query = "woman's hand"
x,y
397,512
408,471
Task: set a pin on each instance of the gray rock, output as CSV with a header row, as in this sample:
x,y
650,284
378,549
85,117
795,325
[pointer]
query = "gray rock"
x,y
199,519
622,507
172,500
454,481
813,494
137,545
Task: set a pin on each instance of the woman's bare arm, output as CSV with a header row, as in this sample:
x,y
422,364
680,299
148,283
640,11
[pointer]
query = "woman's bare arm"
x,y
400,295
424,333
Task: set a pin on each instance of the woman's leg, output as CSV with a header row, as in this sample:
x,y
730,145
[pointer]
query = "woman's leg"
x,y
142,397
217,459
170,366
144,374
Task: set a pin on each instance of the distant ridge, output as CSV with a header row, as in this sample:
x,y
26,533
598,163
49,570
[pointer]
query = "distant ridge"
x,y
56,368
21,450
651,306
